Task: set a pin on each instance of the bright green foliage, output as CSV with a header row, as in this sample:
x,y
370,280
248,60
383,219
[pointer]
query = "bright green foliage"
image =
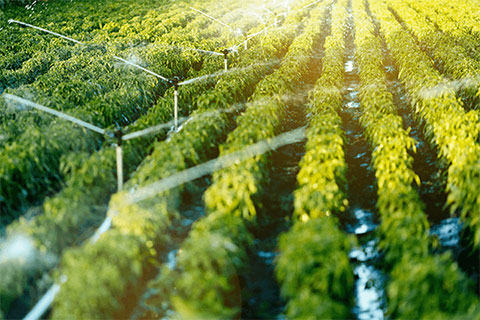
x,y
421,286
450,57
323,168
315,271
27,173
40,156
458,21
84,288
215,243
236,189
86,82
69,217
314,285
146,224
321,179
431,288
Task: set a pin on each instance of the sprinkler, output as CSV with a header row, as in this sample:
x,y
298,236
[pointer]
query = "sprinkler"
x,y
174,82
225,58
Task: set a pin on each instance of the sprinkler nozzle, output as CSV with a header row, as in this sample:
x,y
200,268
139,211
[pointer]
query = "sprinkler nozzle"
x,y
174,82
225,53
119,135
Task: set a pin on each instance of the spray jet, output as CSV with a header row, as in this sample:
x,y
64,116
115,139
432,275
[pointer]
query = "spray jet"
x,y
236,31
221,53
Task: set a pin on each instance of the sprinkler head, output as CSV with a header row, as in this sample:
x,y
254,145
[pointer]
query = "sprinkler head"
x,y
225,53
174,82
119,135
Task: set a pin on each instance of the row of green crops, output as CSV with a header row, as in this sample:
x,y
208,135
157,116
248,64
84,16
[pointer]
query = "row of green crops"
x,y
404,225
448,127
404,236
451,58
215,252
314,286
146,225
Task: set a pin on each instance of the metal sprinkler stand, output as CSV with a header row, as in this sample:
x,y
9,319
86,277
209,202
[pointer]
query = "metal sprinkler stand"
x,y
119,135
174,82
225,58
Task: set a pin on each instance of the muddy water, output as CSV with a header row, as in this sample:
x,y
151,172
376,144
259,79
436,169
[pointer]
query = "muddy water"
x,y
362,218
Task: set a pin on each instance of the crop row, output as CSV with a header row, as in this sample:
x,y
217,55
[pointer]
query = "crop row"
x,y
453,23
465,15
146,225
448,127
404,225
404,232
314,286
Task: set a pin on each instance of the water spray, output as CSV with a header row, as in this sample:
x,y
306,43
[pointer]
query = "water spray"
x,y
215,19
174,81
217,164
249,37
191,49
44,30
118,134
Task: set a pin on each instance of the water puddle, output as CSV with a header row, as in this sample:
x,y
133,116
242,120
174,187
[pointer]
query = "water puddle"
x,y
447,232
172,259
364,222
349,66
369,292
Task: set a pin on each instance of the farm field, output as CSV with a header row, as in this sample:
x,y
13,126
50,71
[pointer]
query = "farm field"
x,y
262,159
